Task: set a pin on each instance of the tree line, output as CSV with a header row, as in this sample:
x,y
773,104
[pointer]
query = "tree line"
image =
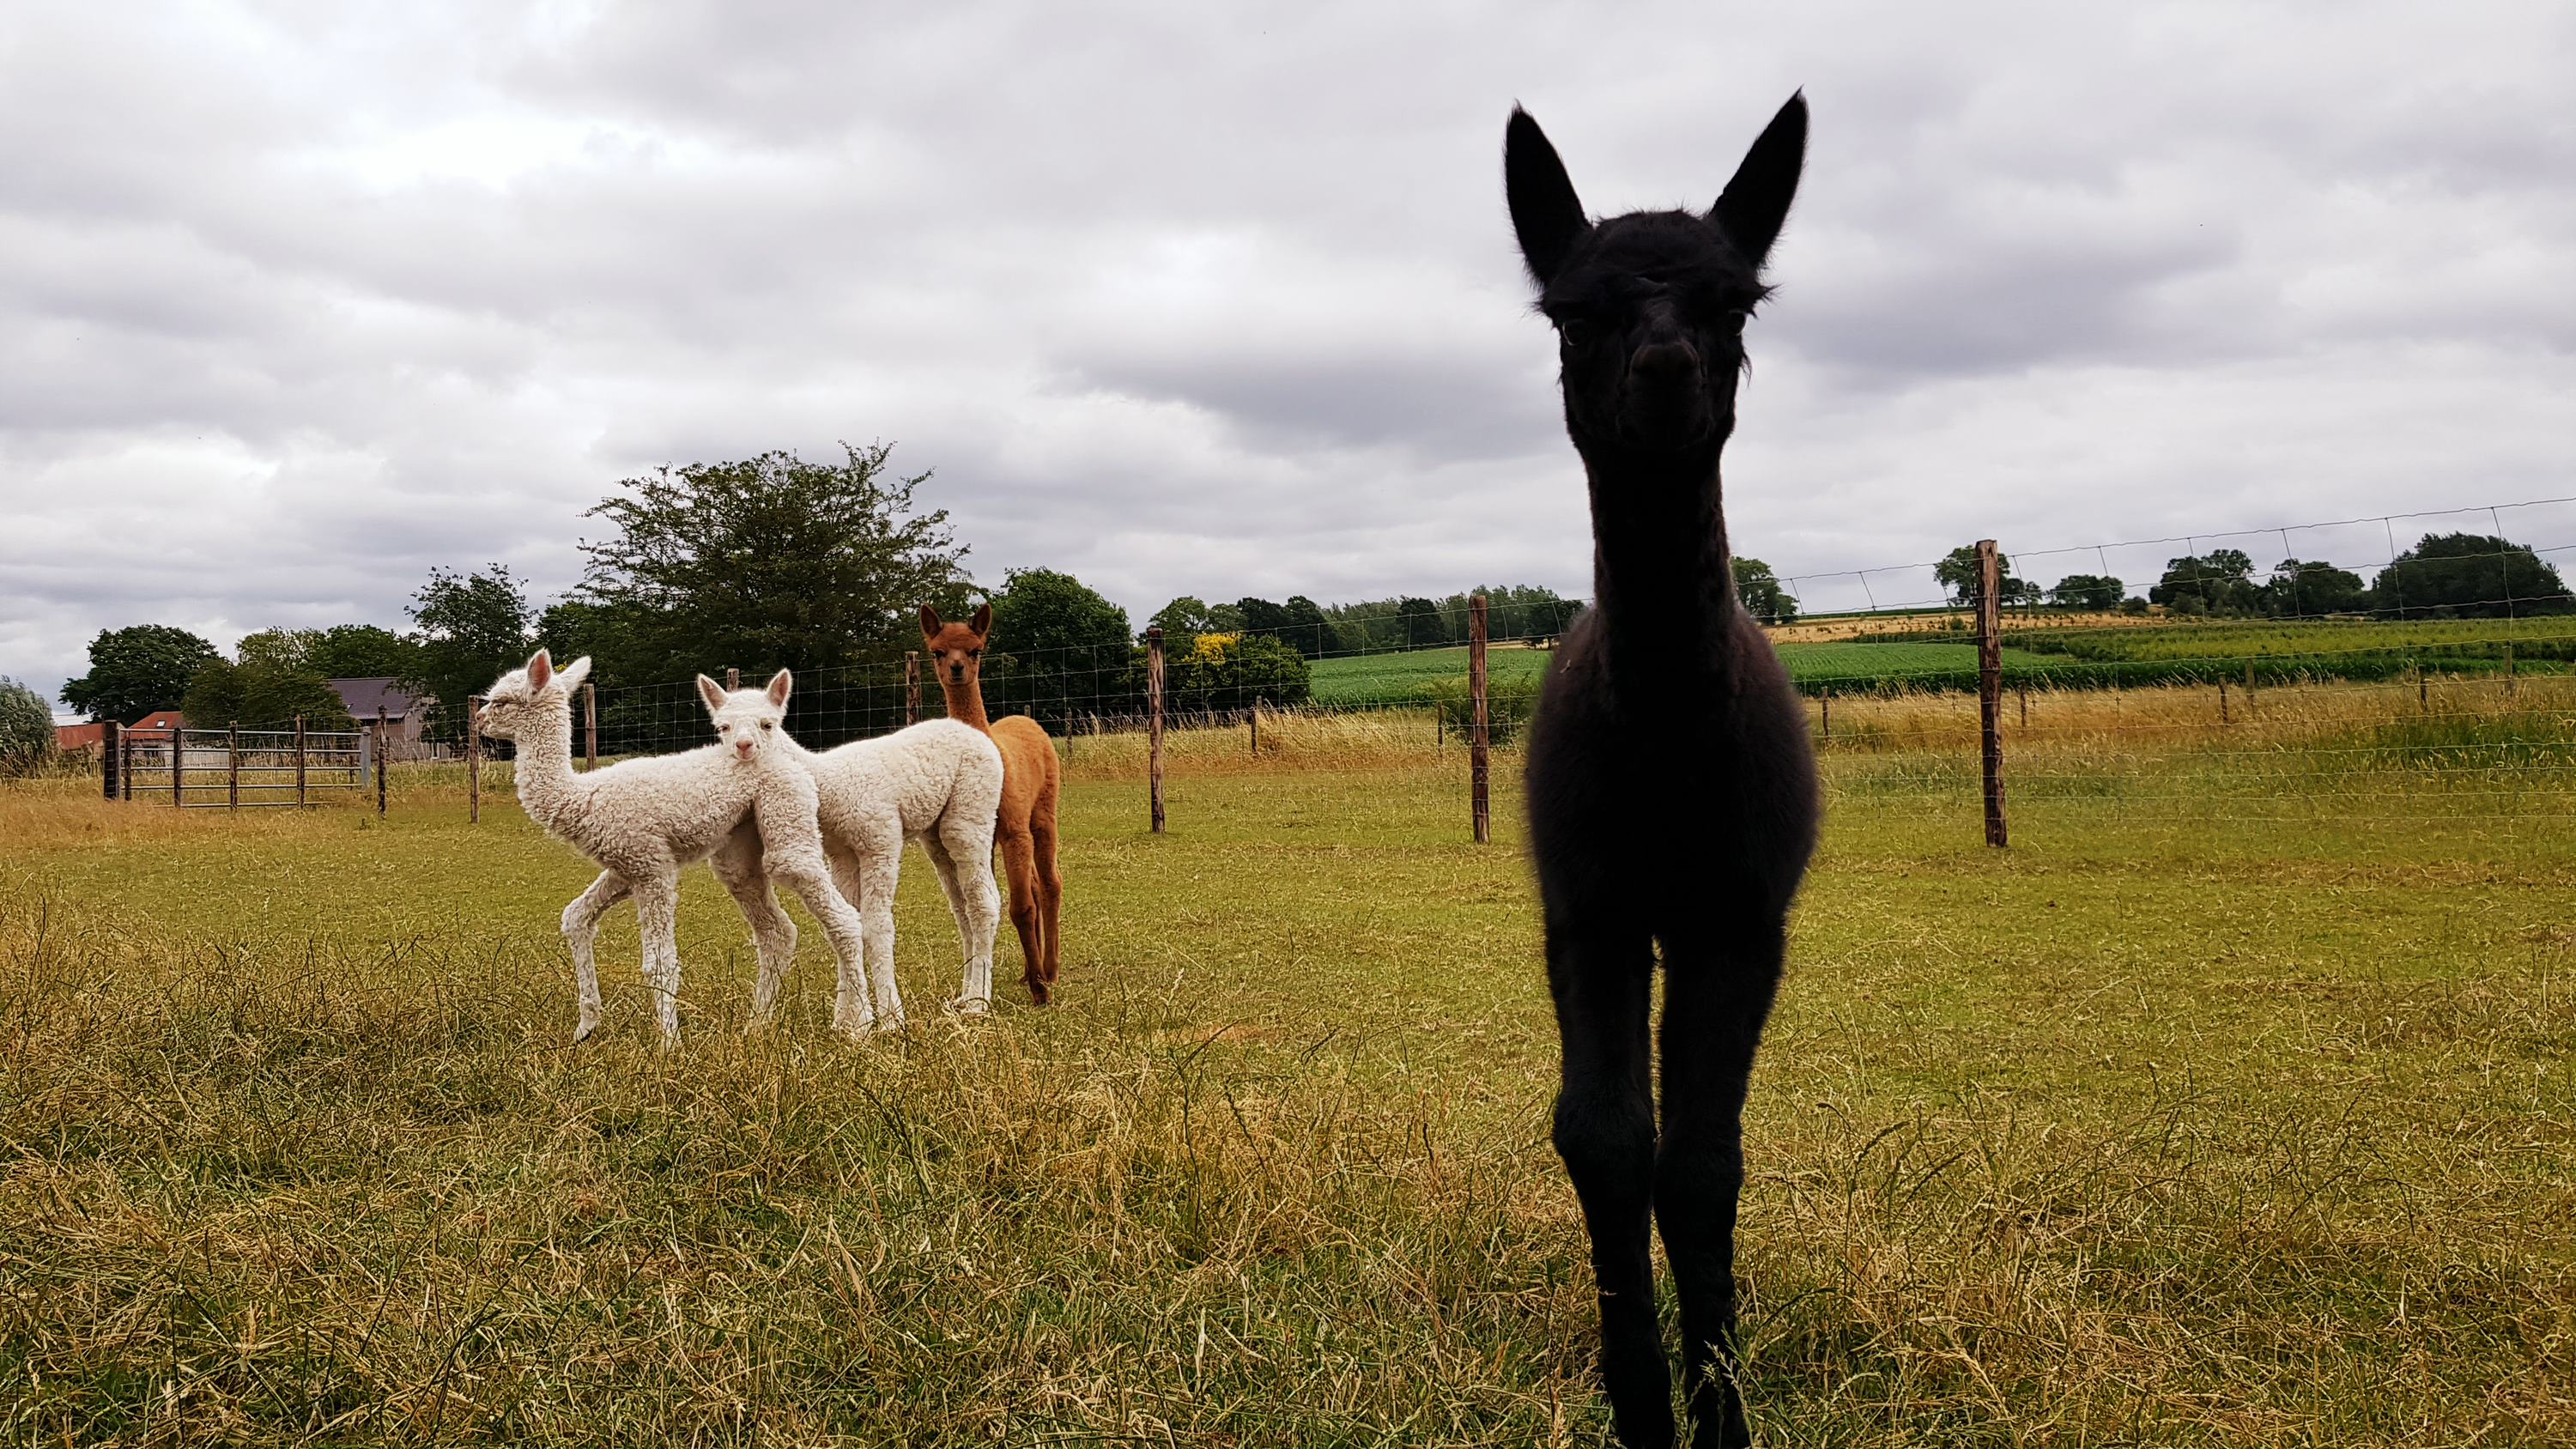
x,y
2445,575
772,562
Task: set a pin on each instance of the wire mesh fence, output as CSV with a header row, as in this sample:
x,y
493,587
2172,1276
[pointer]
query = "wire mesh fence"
x,y
2289,689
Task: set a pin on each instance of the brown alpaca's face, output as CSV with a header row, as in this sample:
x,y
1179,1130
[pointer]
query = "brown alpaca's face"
x,y
956,650
956,653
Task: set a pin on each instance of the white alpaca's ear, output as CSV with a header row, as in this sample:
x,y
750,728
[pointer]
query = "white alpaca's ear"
x,y
541,667
571,675
711,692
779,684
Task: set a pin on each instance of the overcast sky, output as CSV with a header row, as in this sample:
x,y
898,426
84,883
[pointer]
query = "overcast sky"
x,y
300,300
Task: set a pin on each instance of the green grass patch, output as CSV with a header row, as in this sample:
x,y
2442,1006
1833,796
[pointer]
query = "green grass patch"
x,y
2203,1116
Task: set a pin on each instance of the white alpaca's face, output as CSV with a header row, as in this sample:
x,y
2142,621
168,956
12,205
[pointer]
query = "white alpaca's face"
x,y
747,720
525,694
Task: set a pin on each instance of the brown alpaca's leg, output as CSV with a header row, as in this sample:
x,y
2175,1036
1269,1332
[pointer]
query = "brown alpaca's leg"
x,y
1050,885
1019,862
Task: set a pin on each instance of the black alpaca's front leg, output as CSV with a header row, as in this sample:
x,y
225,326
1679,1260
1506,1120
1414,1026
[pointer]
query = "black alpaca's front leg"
x,y
1715,1002
1605,1130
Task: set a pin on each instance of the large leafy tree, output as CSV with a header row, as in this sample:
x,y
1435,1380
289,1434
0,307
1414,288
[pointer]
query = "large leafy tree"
x,y
2470,573
2220,581
1420,624
136,670
2306,588
2087,591
1957,572
359,651
1762,593
263,690
473,629
770,562
1058,650
1303,627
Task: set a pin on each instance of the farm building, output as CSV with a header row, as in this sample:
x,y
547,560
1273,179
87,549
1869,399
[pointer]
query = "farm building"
x,y
80,739
404,714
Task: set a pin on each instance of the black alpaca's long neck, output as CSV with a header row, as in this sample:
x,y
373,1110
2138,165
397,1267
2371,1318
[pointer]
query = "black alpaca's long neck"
x,y
1659,568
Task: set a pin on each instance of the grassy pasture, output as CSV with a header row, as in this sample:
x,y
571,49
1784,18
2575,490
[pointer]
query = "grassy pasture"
x,y
1380,680
2234,1105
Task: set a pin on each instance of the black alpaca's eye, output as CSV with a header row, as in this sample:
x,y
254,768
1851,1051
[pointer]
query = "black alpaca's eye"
x,y
1573,332
1736,319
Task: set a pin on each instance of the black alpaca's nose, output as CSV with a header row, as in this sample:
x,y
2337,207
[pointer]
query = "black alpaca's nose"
x,y
1664,362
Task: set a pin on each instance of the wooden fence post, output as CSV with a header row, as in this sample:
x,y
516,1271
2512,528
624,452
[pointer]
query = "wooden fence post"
x,y
474,759
232,765
2222,699
2423,692
1255,722
1825,709
1479,762
299,759
911,687
2249,688
1154,722
2024,692
2508,671
111,760
380,758
1990,683
589,726
178,765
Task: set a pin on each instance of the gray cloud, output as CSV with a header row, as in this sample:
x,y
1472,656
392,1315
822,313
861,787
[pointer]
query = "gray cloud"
x,y
296,303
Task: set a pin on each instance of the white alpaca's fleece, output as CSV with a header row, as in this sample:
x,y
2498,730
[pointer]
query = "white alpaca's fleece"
x,y
938,783
641,821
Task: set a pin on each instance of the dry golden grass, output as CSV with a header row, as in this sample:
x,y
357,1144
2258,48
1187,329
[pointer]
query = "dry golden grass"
x,y
2177,1124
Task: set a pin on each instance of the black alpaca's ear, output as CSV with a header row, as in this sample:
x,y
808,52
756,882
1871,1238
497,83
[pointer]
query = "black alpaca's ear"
x,y
1756,201
1546,215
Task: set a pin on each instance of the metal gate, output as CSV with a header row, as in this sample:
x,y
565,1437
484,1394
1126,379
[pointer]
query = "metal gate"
x,y
237,769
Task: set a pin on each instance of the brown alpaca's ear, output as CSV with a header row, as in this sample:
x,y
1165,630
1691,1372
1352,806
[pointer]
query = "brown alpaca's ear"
x,y
930,624
779,684
711,693
982,623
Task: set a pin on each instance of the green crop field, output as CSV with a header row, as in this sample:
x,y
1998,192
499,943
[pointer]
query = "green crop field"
x,y
2234,1105
1379,680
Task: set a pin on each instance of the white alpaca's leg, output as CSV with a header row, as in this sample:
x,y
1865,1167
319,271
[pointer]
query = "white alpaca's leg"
x,y
879,866
580,931
657,911
963,855
739,863
791,843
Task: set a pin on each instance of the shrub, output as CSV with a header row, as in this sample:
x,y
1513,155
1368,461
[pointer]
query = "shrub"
x,y
1509,703
26,729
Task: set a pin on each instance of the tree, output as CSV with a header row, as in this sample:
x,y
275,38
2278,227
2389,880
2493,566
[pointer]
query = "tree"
x,y
473,629
1419,623
1058,650
2306,589
26,729
281,648
134,671
1226,671
1761,592
2220,581
1957,572
359,651
2087,591
772,562
1304,628
2470,573
264,690
1182,620
1260,616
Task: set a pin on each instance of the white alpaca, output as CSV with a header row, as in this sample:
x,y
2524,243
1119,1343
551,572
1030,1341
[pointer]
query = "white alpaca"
x,y
938,783
642,820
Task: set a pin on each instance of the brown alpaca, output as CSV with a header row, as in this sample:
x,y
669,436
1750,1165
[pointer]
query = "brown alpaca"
x,y
1030,773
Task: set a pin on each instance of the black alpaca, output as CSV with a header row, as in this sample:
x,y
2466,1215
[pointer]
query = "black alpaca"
x,y
1672,789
